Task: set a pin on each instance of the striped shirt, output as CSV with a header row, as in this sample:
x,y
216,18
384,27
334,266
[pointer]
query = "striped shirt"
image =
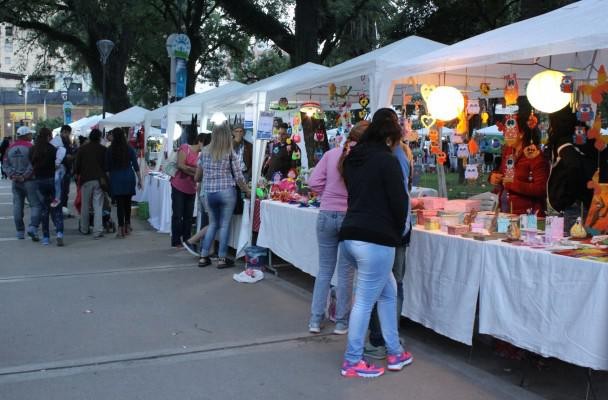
x,y
217,175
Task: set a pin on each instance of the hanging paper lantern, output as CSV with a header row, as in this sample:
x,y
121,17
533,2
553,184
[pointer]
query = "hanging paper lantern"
x,y
544,92
445,103
473,146
296,138
485,117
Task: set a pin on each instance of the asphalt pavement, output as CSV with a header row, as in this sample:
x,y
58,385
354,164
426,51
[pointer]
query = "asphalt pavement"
x,y
134,319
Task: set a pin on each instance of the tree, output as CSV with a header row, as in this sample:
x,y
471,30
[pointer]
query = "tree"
x,y
252,69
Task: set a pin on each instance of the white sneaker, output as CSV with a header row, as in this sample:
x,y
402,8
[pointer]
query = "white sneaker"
x,y
250,275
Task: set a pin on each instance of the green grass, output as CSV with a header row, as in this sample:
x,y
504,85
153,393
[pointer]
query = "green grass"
x,y
455,189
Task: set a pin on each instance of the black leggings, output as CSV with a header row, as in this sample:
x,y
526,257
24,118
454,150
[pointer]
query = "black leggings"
x,y
123,209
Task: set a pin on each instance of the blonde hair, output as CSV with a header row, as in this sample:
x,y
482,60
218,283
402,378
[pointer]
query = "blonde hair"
x,y
221,142
353,137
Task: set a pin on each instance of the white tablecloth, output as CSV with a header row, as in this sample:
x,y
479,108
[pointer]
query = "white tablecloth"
x,y
158,192
552,305
441,283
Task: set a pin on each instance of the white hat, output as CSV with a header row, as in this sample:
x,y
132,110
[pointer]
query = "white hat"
x,y
24,130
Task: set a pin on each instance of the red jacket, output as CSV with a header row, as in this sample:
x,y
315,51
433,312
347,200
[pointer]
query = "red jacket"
x,y
529,187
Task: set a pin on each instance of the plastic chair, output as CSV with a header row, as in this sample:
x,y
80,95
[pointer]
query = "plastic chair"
x,y
488,200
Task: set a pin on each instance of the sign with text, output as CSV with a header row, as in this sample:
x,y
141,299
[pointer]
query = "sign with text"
x,y
67,112
265,123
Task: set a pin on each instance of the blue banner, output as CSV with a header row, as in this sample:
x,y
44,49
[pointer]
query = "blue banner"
x,y
181,77
67,112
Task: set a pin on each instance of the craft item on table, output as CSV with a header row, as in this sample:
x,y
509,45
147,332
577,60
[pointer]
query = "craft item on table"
x,y
423,215
494,222
479,228
471,173
597,218
447,219
530,236
469,218
578,231
514,231
580,135
461,205
511,92
597,90
457,229
554,228
567,85
484,89
485,218
502,225
434,203
432,224
529,220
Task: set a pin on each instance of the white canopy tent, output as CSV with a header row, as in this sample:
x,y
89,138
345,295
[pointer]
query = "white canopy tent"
x,y
550,41
489,130
83,126
129,117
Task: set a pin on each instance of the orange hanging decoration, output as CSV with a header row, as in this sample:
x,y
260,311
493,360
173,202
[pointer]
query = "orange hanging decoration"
x,y
511,89
473,146
441,157
597,91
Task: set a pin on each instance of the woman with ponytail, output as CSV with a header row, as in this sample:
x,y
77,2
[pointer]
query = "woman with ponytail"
x,y
326,180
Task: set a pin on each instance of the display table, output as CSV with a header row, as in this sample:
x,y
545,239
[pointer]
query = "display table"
x,y
552,305
158,192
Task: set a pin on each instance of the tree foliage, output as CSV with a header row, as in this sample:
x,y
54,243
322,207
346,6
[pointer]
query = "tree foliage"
x,y
252,69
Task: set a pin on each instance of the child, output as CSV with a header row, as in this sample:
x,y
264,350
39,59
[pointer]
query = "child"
x,y
59,169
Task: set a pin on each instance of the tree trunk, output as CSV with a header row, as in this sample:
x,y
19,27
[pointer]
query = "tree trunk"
x,y
307,29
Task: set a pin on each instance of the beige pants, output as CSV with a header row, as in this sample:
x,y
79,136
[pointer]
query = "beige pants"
x,y
92,195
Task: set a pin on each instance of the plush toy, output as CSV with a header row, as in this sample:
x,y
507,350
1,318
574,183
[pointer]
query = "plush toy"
x,y
580,135
585,113
484,89
597,91
511,89
471,173
567,85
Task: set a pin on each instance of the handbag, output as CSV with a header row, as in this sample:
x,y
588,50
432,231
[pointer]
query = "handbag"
x,y
238,206
169,166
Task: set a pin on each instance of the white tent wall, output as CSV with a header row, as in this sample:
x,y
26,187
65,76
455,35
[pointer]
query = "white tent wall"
x,y
129,117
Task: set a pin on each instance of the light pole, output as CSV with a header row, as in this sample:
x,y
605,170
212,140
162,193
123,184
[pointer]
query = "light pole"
x,y
25,78
67,82
104,47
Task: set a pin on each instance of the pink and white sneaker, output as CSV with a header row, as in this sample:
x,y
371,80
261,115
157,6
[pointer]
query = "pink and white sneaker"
x,y
55,203
361,369
398,361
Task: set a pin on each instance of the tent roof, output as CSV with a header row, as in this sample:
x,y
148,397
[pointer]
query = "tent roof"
x,y
192,104
489,130
302,73
349,73
129,117
156,115
554,40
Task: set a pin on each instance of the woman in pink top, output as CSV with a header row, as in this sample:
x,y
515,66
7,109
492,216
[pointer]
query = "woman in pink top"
x,y
326,180
183,190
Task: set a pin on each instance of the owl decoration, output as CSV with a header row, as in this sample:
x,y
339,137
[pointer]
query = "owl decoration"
x,y
473,106
580,135
462,151
471,173
511,89
319,135
485,89
441,157
585,113
510,128
567,85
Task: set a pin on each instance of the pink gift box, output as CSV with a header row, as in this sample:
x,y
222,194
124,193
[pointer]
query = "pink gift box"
x,y
462,205
424,215
434,203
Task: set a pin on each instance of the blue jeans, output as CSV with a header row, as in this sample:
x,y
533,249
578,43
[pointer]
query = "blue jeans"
x,y
375,330
375,283
46,193
21,190
59,174
220,209
328,229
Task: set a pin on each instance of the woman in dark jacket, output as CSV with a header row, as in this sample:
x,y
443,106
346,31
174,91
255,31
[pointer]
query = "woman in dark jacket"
x,y
121,164
373,226
42,157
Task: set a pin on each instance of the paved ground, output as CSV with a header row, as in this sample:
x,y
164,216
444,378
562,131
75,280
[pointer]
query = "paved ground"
x,y
134,319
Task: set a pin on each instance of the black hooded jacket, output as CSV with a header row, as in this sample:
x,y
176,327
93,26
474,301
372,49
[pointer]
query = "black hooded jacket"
x,y
376,196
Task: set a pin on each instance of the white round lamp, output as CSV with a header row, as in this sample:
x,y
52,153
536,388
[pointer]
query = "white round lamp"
x,y
218,118
544,92
445,103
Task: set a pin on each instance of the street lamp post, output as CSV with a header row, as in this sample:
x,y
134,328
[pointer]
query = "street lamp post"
x,y
104,47
67,82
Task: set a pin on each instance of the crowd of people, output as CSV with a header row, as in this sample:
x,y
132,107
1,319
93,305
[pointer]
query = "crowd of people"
x,y
42,172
